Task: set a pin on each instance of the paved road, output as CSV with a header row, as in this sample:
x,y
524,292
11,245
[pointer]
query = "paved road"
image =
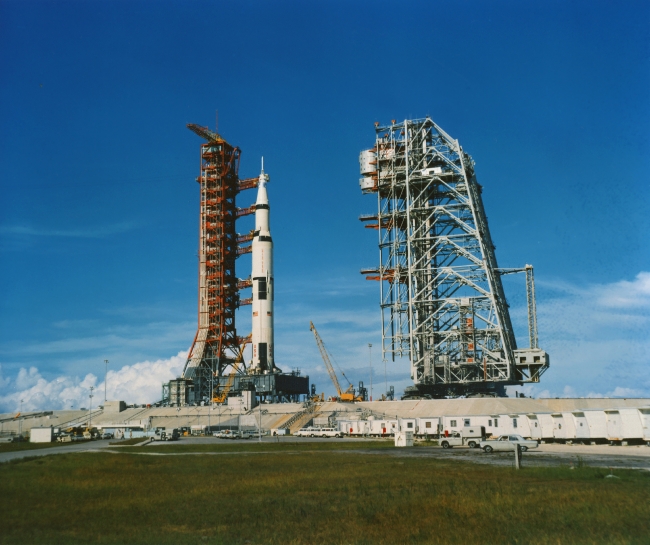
x,y
546,455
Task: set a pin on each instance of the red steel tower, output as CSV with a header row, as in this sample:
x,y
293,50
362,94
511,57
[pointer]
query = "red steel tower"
x,y
216,345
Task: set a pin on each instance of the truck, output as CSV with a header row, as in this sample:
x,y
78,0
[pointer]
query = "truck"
x,y
165,434
471,437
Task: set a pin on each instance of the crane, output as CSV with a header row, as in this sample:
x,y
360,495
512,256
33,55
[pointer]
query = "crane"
x,y
204,132
349,394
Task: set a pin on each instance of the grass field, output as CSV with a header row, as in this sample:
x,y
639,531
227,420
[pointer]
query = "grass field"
x,y
312,493
26,445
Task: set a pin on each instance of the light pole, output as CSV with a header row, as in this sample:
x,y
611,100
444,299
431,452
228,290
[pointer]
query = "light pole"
x,y
105,379
90,413
370,356
20,421
386,376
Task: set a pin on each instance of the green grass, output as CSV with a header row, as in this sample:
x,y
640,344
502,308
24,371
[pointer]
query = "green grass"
x,y
26,445
313,496
255,446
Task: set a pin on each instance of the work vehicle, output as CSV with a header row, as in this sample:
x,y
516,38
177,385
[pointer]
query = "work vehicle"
x,y
279,431
348,395
470,437
164,434
507,443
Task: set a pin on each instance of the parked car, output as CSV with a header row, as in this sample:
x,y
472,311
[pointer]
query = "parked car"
x,y
305,432
106,435
507,443
326,432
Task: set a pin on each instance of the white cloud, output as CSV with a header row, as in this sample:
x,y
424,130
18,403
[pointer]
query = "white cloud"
x,y
93,232
597,336
137,383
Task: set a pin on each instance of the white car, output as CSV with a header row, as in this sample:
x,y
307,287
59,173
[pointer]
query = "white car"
x,y
326,432
507,443
305,432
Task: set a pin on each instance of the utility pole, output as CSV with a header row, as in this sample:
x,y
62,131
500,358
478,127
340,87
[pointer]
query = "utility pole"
x,y
90,413
260,426
20,421
105,379
370,355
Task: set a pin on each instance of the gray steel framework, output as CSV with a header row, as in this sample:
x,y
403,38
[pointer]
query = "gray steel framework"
x,y
442,299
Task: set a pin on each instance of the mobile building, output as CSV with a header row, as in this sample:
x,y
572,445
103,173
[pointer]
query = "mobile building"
x,y
597,425
644,416
355,427
427,427
581,426
534,426
547,425
623,425
563,427
382,427
514,423
41,435
408,424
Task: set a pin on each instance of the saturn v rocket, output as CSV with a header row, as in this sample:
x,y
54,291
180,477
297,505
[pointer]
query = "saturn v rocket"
x,y
262,276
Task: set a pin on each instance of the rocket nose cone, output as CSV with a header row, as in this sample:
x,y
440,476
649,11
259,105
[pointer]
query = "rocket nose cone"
x,y
262,196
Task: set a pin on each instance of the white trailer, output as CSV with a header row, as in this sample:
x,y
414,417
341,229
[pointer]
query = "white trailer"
x,y
547,425
534,426
581,426
516,424
597,422
382,427
408,424
357,427
40,435
644,416
563,427
427,427
624,425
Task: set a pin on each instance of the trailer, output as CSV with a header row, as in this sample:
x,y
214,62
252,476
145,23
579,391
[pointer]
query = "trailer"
x,y
597,425
40,435
547,425
624,425
581,426
382,427
408,424
356,427
427,427
644,416
514,424
534,426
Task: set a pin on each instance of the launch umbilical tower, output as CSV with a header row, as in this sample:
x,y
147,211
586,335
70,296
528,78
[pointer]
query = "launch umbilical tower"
x,y
215,366
442,300
216,345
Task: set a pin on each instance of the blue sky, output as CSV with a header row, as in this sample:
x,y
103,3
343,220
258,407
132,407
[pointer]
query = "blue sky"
x,y
98,215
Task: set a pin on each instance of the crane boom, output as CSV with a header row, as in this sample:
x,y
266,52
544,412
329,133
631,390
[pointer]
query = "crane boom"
x,y
347,395
204,132
326,359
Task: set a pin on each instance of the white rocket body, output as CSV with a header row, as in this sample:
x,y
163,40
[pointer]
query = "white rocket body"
x,y
262,276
